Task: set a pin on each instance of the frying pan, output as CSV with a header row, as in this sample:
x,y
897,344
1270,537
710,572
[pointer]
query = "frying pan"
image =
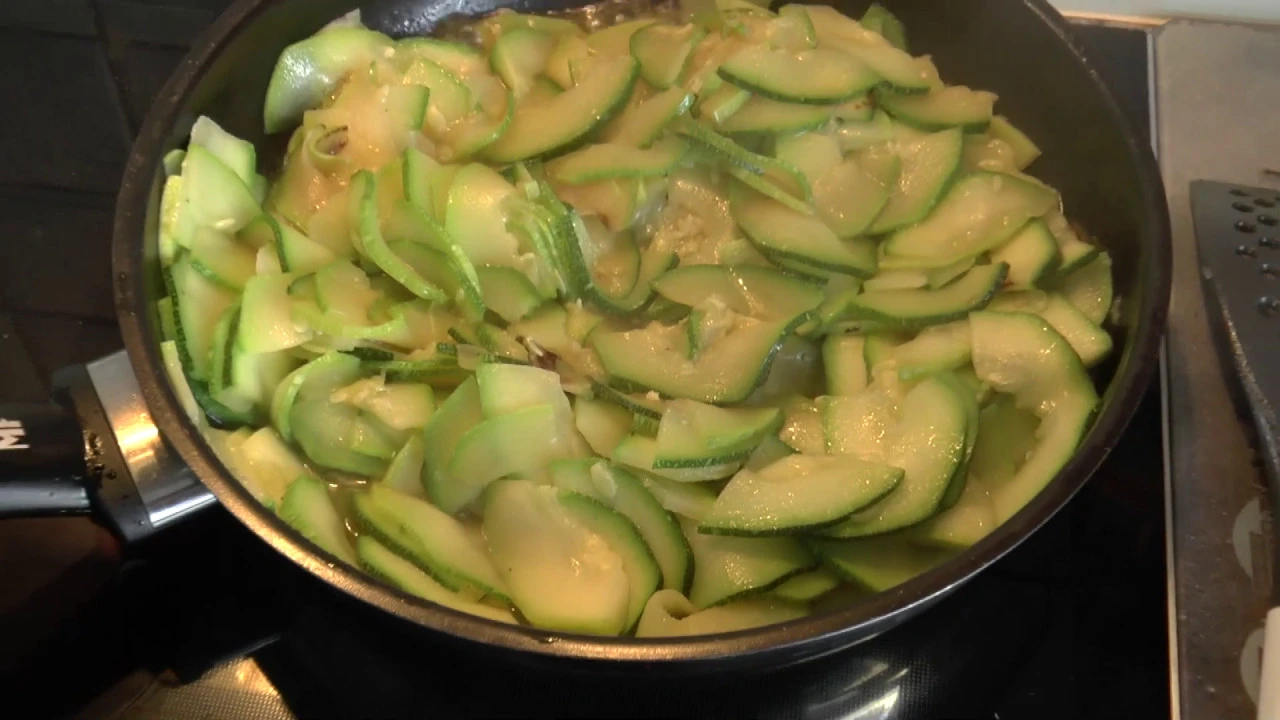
x,y
119,444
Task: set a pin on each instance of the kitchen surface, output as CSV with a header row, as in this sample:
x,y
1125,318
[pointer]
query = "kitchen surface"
x,y
1144,598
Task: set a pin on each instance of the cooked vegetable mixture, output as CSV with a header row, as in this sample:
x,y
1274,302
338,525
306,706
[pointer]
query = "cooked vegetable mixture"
x,y
679,325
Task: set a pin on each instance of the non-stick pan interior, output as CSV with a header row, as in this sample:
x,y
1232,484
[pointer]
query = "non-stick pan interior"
x,y
1013,47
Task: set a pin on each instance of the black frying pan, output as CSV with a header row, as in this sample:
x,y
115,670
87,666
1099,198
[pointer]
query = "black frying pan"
x,y
140,480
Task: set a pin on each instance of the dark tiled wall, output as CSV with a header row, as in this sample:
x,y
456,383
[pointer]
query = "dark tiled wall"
x,y
80,77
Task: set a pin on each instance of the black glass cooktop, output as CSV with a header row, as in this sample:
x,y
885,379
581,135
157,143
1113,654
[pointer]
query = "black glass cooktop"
x,y
1071,625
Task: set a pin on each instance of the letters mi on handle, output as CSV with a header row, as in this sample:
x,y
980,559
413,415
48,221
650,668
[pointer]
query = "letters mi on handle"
x,y
11,435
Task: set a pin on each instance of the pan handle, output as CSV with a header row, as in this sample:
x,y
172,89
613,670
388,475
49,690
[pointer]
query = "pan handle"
x,y
98,451
42,461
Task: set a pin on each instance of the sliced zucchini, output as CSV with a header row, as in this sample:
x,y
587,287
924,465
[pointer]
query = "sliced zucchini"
x,y
769,176
802,427
663,51
860,424
508,292
858,110
651,407
640,125
981,212
609,161
1007,435
515,443
879,20
670,614
897,68
733,568
450,98
817,77
373,122
615,39
474,133
430,539
1075,254
722,103
812,153
726,372
851,195
764,115
316,379
564,120
1089,288
770,450
690,500
200,303
920,308
404,472
613,203
506,389
562,575
476,217
181,387
237,154
806,587
399,406
855,135
504,20
455,417
446,264
964,392
954,106
965,523
644,576
1090,341
983,152
897,280
603,424
777,230
216,197
299,253
1031,255
878,564
936,349
400,573
845,364
544,88
615,273
266,466
749,290
309,71
798,493
639,452
519,56
627,494
307,508
338,437
692,434
368,232
928,166
1019,354
928,443
570,51
939,277
265,323
1025,150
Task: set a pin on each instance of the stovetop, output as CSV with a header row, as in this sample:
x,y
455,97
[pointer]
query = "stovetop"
x,y
205,622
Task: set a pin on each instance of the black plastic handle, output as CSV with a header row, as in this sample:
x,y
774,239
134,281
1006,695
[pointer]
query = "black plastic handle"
x,y
42,461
